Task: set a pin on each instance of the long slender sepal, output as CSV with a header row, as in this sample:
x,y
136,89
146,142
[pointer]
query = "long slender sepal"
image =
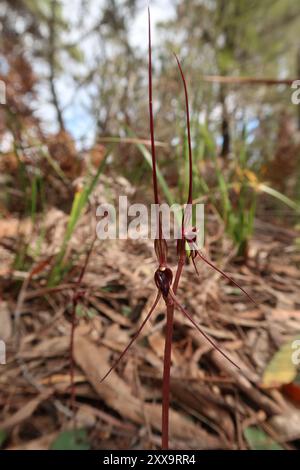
x,y
213,344
225,275
195,266
153,152
134,337
161,260
190,193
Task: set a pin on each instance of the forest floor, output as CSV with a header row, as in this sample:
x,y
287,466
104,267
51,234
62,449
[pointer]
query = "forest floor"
x,y
213,405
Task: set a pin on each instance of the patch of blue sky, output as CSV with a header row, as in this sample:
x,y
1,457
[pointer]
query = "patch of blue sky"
x,y
79,121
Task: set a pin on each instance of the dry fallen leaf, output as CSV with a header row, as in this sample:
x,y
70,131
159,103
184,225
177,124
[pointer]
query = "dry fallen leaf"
x,y
26,411
47,348
12,227
5,322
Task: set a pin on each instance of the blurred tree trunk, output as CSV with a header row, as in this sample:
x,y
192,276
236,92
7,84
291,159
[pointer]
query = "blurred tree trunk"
x,y
224,125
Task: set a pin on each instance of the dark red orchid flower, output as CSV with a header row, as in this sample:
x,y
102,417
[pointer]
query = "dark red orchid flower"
x,y
165,282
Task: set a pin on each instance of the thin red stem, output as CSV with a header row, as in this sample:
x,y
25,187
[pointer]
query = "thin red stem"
x,y
72,362
167,356
170,303
170,308
166,377
86,262
73,326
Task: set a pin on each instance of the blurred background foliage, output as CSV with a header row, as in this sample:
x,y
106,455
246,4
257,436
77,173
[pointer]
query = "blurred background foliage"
x,y
76,84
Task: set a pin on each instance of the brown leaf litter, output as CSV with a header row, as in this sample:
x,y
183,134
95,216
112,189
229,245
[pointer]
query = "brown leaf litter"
x,y
212,403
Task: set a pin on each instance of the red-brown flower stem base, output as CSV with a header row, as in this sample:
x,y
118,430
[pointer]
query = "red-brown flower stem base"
x,y
166,376
167,356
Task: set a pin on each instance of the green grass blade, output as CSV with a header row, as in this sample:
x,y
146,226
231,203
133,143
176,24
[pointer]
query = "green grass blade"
x,y
281,197
79,202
